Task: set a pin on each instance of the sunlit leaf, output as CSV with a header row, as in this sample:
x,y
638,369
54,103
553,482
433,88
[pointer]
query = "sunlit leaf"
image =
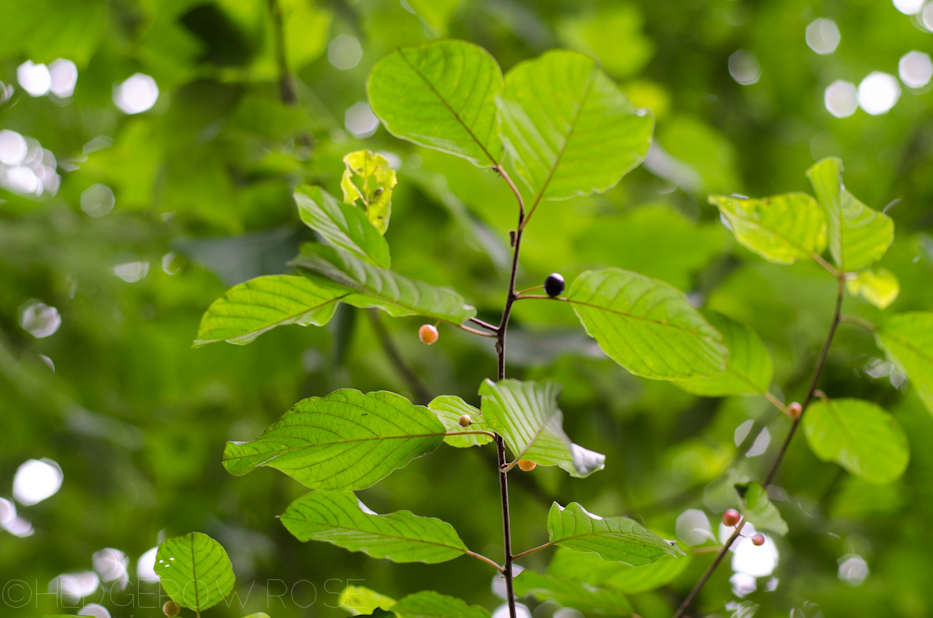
x,y
448,410
567,126
361,600
346,440
378,287
647,326
781,229
879,287
573,593
748,368
430,604
195,570
612,538
369,178
857,234
259,305
340,518
758,509
859,436
526,415
342,225
908,340
441,95
594,570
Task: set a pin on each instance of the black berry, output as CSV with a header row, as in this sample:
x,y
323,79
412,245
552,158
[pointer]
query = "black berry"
x,y
554,285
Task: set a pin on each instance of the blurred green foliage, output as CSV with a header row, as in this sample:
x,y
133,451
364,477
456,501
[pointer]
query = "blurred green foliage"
x,y
200,188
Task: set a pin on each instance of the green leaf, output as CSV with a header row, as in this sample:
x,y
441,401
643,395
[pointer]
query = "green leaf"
x,y
613,538
857,234
344,441
338,517
879,287
378,287
859,436
758,509
526,415
907,339
781,229
568,128
343,226
430,604
361,600
441,95
195,570
368,177
448,410
748,369
627,579
647,326
573,593
259,305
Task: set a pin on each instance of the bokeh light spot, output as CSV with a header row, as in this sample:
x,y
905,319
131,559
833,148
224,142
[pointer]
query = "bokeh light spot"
x,y
344,52
131,272
360,120
36,480
34,78
64,75
823,36
908,7
853,569
137,94
841,98
39,319
97,200
744,67
878,93
915,69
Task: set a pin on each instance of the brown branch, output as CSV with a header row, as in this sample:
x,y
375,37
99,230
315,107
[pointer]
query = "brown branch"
x,y
775,465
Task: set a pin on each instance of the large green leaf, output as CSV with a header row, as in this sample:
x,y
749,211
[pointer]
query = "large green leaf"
x,y
627,579
781,229
344,441
195,570
441,95
612,538
758,509
567,126
573,593
526,415
857,234
907,338
378,287
361,600
252,308
859,436
430,604
748,369
342,225
448,410
879,287
647,326
338,517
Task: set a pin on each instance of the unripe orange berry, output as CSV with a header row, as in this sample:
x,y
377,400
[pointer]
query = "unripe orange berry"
x,y
465,420
731,517
758,539
794,410
427,333
171,609
526,465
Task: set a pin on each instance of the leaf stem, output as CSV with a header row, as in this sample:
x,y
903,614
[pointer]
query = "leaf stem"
x,y
474,331
811,392
532,550
832,269
472,432
485,325
484,559
500,352
774,401
851,319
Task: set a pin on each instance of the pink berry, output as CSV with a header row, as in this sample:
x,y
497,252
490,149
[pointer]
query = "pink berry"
x,y
731,517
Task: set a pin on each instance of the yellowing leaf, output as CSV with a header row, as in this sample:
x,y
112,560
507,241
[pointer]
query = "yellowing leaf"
x,y
369,178
879,287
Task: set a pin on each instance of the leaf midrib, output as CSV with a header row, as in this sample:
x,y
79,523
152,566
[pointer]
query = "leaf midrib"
x,y
388,536
298,448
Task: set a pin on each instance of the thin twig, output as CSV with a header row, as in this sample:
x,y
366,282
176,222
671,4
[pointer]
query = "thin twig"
x,y
287,90
485,325
484,559
420,390
811,390
819,260
774,401
473,331
500,352
851,319
532,550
